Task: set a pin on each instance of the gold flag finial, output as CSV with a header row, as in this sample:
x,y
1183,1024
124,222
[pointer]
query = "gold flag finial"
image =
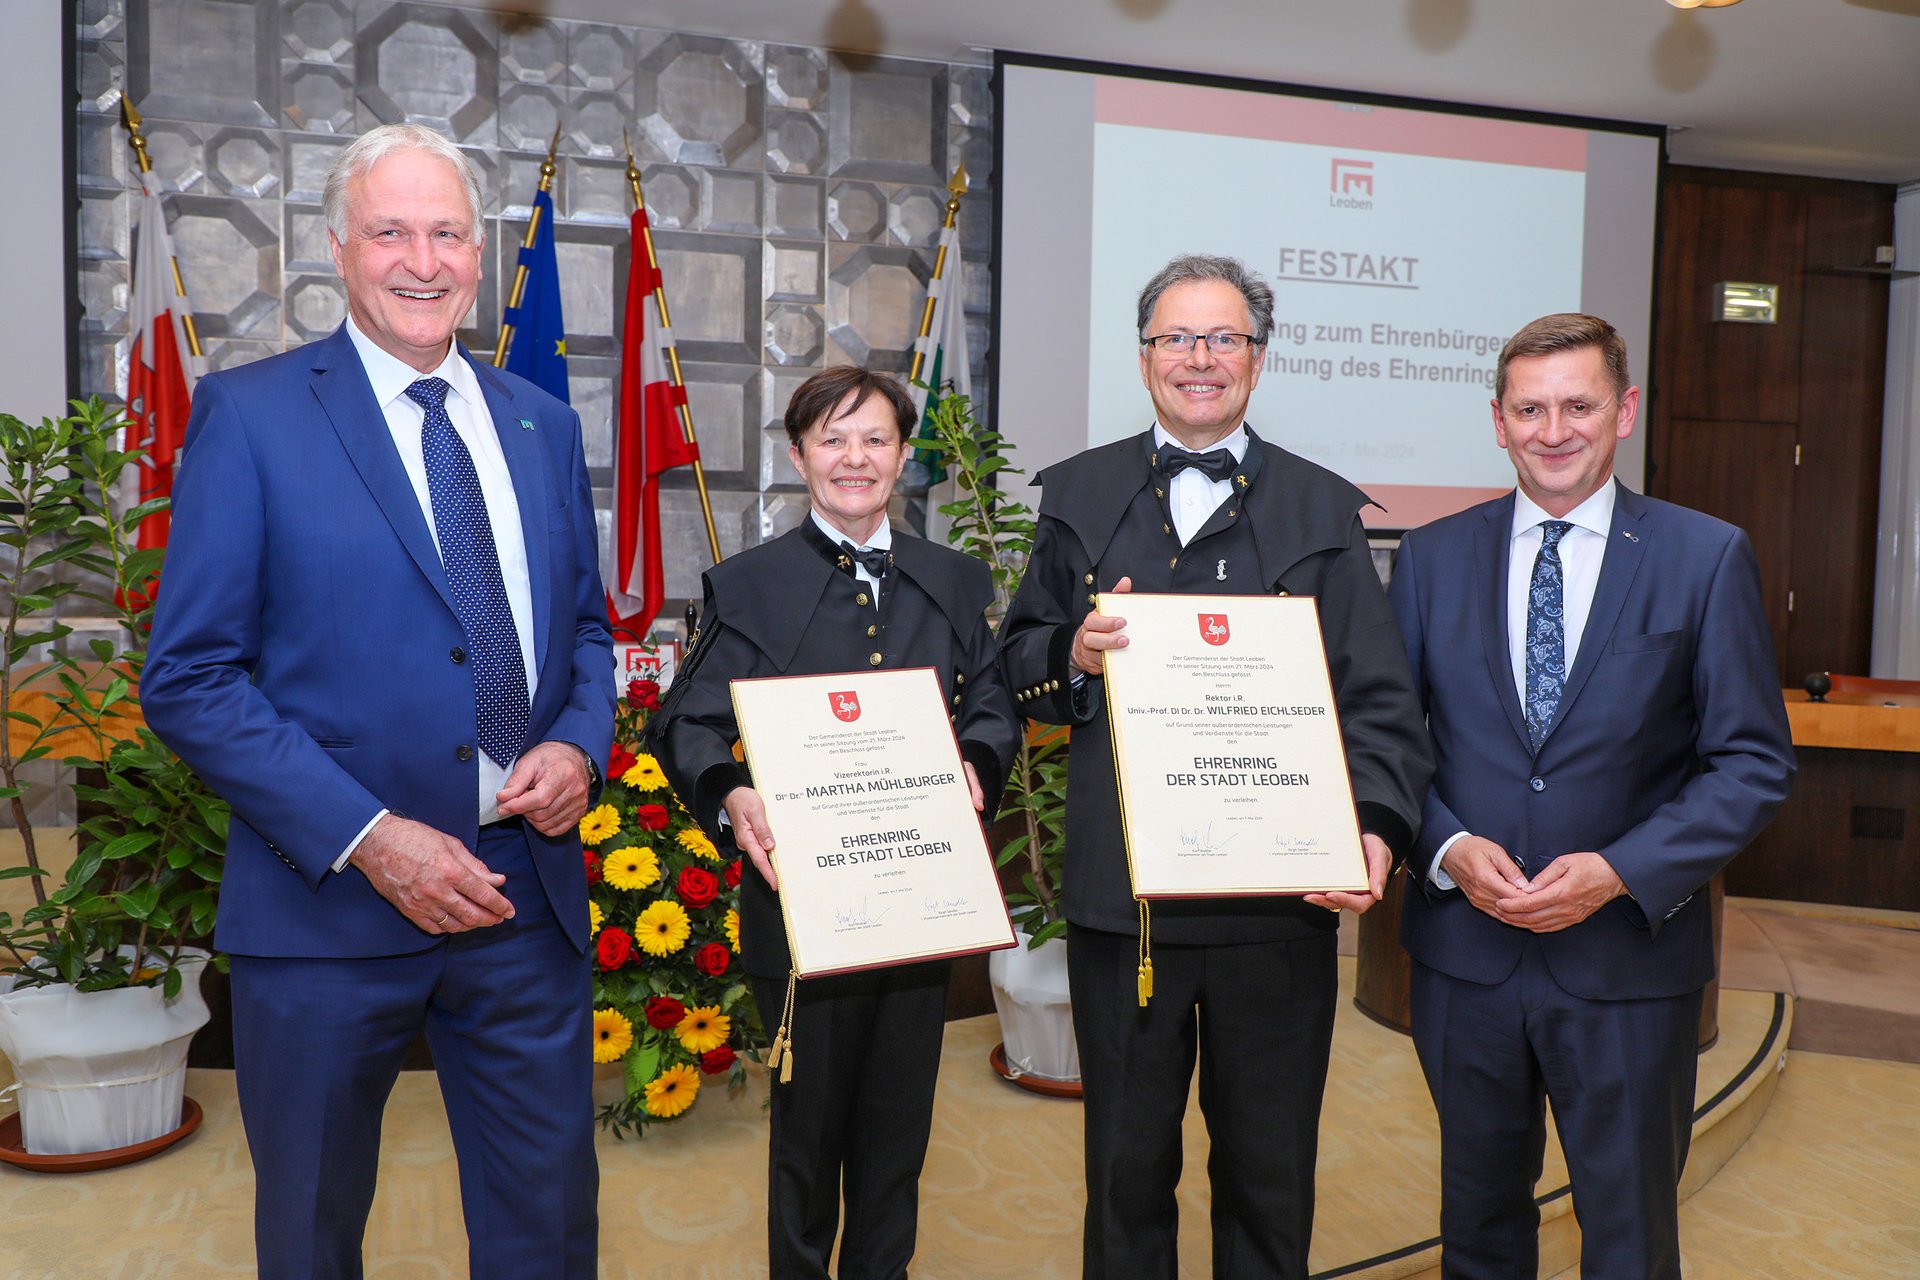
x,y
130,115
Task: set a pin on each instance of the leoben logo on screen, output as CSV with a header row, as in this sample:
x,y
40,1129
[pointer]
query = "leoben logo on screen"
x,y
1352,183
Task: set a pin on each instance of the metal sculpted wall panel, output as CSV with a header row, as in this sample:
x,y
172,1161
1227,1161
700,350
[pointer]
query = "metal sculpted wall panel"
x,y
796,200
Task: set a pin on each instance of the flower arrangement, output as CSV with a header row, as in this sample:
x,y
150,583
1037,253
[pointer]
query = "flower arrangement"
x,y
670,1001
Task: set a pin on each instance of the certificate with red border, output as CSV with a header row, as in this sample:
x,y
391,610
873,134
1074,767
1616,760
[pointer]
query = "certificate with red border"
x,y
879,851
1232,771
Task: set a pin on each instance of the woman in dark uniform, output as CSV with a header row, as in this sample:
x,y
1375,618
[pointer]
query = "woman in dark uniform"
x,y
843,591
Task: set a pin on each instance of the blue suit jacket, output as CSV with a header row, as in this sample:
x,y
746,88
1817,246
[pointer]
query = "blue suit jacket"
x,y
1668,752
302,651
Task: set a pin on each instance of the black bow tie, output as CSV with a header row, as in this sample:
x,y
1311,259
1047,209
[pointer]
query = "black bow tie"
x,y
872,559
1216,464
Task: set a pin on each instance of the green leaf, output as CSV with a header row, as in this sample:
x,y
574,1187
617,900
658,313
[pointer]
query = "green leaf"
x,y
15,873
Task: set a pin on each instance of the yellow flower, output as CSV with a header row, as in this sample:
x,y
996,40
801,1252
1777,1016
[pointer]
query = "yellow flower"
x,y
662,928
696,842
703,1029
595,917
672,1091
599,824
732,925
645,775
631,868
612,1035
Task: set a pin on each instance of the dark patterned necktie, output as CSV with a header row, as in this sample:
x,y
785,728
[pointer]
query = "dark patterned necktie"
x,y
1546,632
1215,464
473,571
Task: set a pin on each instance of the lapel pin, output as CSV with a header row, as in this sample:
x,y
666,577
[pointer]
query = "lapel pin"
x,y
1630,535
526,424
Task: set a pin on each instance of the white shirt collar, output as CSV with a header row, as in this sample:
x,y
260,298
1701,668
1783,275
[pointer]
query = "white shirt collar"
x,y
1594,515
1235,443
881,540
391,376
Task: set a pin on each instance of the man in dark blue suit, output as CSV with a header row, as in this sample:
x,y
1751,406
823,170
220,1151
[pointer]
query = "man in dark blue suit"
x,y
381,636
1609,733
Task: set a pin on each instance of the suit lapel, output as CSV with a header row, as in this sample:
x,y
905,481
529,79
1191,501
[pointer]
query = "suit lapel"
x,y
345,395
526,463
1492,544
1626,548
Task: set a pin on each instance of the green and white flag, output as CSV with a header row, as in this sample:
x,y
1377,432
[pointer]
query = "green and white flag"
x,y
945,366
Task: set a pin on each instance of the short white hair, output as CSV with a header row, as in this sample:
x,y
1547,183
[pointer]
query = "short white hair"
x,y
359,156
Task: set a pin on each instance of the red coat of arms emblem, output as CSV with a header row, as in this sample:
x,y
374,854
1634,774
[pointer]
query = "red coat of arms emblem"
x,y
1213,628
846,706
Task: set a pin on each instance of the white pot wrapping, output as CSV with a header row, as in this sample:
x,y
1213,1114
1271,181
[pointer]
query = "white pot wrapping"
x,y
98,1070
1036,1015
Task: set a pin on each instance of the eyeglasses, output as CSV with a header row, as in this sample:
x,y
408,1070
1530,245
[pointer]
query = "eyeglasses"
x,y
1221,344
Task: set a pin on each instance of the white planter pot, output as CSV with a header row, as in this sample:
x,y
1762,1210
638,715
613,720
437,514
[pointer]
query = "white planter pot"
x,y
98,1070
1036,1017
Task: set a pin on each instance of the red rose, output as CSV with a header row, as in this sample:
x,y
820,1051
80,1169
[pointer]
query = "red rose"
x,y
698,887
621,761
643,695
714,1061
614,948
664,1013
652,817
592,860
713,959
733,874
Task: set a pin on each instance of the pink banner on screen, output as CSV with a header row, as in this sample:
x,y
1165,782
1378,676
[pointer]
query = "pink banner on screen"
x,y
1276,117
1408,506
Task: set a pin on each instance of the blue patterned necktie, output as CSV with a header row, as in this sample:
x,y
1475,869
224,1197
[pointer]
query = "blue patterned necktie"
x,y
1546,632
473,571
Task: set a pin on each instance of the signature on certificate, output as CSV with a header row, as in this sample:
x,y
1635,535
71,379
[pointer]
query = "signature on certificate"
x,y
1202,841
1296,844
943,906
850,917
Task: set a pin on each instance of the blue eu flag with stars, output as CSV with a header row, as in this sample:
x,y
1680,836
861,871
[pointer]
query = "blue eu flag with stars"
x,y
539,350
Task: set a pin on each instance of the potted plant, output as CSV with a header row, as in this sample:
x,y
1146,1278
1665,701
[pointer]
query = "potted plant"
x,y
99,978
1030,983
671,1005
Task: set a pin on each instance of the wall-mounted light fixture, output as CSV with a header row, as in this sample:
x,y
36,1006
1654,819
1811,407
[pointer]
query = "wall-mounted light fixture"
x,y
1745,303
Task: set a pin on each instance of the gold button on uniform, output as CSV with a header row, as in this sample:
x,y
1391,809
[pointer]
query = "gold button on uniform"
x,y
959,677
1089,579
873,630
873,659
1174,563
861,598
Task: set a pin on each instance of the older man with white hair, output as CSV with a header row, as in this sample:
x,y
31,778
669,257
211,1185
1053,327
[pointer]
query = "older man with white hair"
x,y
382,638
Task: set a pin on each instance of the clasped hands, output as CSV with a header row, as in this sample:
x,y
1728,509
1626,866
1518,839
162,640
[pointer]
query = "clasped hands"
x,y
438,883
1567,891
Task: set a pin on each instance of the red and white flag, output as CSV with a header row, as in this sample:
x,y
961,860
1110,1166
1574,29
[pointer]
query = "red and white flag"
x,y
160,372
648,441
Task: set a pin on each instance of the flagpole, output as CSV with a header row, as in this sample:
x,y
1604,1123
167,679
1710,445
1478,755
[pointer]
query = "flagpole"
x,y
956,187
505,341
673,355
131,117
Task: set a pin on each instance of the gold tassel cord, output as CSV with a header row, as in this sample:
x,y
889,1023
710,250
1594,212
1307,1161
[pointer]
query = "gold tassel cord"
x,y
1145,975
781,1055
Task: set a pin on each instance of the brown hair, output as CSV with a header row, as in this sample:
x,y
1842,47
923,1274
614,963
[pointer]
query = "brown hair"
x,y
821,394
1567,331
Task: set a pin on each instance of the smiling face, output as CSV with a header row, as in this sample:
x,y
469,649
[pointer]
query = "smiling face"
x,y
1560,420
412,255
851,462
1200,397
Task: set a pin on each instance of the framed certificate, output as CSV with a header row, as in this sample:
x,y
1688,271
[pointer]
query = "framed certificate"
x,y
877,845
1233,774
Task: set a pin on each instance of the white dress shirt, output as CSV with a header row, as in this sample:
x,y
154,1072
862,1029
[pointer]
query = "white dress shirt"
x,y
1193,495
882,540
1581,550
467,409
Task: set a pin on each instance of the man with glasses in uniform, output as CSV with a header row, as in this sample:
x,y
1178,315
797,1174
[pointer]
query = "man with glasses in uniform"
x,y
1200,504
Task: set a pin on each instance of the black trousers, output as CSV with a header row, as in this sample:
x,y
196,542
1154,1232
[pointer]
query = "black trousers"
x,y
853,1121
1620,1074
1260,1016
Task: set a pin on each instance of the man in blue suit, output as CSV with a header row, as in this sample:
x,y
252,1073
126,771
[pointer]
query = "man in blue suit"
x,y
1609,733
381,636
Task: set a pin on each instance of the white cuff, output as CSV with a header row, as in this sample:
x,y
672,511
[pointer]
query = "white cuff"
x,y
1435,873
340,863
